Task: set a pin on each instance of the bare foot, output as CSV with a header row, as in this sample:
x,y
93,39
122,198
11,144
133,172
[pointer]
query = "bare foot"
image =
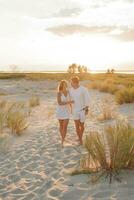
x,y
79,143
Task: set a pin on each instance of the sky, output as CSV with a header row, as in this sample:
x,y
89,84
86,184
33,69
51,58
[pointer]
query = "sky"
x,y
51,34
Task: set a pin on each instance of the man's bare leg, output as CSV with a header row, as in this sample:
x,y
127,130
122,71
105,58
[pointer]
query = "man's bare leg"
x,y
79,129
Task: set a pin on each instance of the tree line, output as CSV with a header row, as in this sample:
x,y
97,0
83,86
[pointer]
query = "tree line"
x,y
75,68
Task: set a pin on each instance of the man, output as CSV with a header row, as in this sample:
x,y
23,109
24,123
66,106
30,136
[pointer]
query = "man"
x,y
79,94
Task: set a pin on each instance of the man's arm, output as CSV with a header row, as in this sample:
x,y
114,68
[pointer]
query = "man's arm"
x,y
87,99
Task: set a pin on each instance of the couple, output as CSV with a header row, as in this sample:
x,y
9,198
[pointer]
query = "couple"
x,y
74,101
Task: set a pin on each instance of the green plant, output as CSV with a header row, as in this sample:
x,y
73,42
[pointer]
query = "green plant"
x,y
113,151
125,95
34,101
16,117
3,104
108,109
17,121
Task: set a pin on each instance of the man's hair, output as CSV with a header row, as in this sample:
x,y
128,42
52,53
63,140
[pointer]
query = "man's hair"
x,y
75,79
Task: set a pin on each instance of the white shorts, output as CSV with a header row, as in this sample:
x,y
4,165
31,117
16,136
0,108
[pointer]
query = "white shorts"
x,y
79,115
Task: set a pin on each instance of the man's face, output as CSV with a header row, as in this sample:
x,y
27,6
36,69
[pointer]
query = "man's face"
x,y
74,84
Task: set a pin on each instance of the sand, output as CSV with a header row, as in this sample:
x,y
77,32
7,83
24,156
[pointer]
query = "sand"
x,y
36,167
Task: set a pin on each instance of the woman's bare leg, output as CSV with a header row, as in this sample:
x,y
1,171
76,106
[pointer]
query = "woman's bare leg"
x,y
61,129
65,125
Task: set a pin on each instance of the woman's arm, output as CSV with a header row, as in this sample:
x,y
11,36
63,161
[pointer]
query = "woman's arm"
x,y
59,99
61,103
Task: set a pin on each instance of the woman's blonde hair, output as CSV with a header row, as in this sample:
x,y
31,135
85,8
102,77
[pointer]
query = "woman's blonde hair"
x,y
61,85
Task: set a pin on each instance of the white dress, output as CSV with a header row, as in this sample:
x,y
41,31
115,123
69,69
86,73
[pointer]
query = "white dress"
x,y
63,111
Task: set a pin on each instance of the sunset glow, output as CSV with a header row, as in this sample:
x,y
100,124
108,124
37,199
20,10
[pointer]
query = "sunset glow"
x,y
49,35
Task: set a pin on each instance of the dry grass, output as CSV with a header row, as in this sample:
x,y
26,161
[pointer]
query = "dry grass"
x,y
3,104
104,86
126,80
123,79
3,93
16,118
13,116
17,122
124,92
125,95
120,141
43,76
108,109
108,87
34,101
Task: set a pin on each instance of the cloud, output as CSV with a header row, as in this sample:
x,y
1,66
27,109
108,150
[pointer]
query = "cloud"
x,y
127,35
68,12
65,30
41,8
122,33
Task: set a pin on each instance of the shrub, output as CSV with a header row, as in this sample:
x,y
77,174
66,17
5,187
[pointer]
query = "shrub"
x,y
2,114
109,87
105,86
108,109
17,121
125,95
34,101
113,151
94,85
16,117
2,121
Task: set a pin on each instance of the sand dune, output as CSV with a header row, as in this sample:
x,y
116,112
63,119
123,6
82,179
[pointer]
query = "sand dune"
x,y
35,167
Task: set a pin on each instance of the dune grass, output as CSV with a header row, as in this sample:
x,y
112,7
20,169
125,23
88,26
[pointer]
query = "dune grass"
x,y
124,79
108,110
17,122
43,76
16,118
125,95
3,105
13,116
120,155
34,101
123,90
104,86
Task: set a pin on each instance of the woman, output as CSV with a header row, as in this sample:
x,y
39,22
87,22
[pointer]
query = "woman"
x,y
63,108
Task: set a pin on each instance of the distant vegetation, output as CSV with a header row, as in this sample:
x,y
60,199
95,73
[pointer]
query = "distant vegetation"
x,y
117,84
74,68
122,86
110,71
43,76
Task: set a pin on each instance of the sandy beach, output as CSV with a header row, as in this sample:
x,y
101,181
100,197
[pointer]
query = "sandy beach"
x,y
35,167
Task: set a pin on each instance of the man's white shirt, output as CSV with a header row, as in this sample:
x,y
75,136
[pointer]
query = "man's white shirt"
x,y
80,96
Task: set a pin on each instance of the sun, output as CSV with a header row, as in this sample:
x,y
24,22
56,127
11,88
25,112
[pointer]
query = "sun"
x,y
93,51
